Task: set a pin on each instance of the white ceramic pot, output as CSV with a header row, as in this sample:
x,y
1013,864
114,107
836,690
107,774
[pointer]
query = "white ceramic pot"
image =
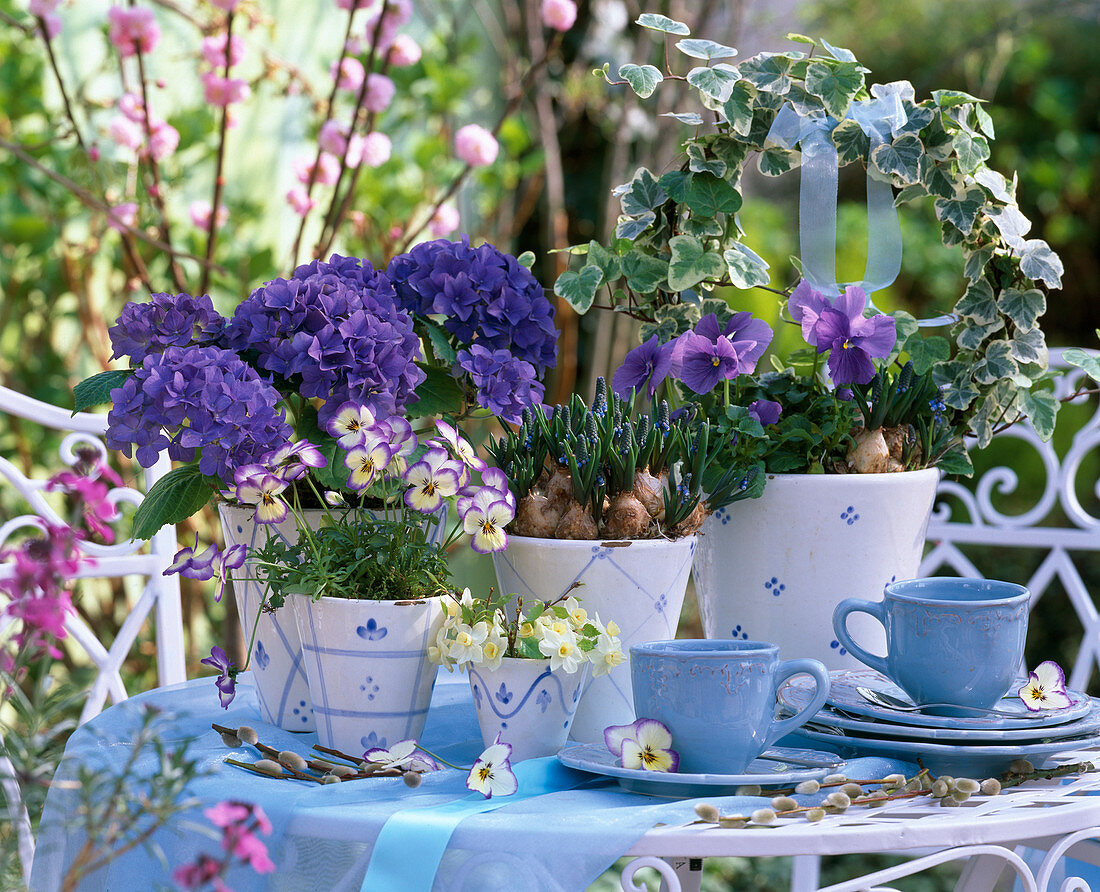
x,y
276,659
368,668
772,569
638,583
527,703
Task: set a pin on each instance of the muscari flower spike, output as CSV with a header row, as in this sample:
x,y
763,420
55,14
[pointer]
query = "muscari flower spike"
x,y
646,745
1045,688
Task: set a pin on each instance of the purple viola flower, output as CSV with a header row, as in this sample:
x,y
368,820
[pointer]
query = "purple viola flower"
x,y
166,320
226,682
292,461
190,565
647,364
765,411
703,363
506,384
805,306
750,337
852,340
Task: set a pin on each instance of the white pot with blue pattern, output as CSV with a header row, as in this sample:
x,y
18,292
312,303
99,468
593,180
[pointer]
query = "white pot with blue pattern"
x,y
638,583
367,663
530,705
774,568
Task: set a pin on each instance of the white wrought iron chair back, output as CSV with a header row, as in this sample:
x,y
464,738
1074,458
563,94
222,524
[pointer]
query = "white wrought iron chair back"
x,y
980,523
160,595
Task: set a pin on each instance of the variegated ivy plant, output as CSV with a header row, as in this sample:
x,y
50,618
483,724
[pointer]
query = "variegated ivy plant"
x,y
678,239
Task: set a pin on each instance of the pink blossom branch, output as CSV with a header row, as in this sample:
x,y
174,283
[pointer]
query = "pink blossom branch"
x,y
219,165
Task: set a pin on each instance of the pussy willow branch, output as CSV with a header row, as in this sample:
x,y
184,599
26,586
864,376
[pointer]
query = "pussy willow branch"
x,y
513,104
334,217
219,164
331,105
90,201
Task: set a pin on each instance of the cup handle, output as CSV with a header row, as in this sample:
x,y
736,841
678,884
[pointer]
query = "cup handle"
x,y
798,667
840,629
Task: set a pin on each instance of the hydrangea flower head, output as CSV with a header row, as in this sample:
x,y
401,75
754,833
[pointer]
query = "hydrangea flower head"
x,y
165,320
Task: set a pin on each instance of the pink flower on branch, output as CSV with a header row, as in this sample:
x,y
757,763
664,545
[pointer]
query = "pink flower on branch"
x,y
349,76
405,51
372,150
227,5
559,14
164,141
444,221
327,170
47,11
132,30
213,50
222,91
379,95
476,146
126,132
199,211
333,138
301,202
122,216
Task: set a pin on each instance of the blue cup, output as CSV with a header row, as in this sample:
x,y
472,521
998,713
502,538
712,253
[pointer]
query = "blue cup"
x,y
948,640
718,698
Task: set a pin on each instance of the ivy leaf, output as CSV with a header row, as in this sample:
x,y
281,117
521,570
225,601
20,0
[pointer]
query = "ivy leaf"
x,y
440,341
643,79
838,52
1030,348
972,336
800,38
579,288
909,193
606,260
527,259
702,227
977,261
926,352
698,163
705,49
935,181
1023,307
905,326
1083,360
972,151
900,158
917,118
716,82
995,183
959,394
644,273
172,499
978,304
775,161
438,394
738,108
834,84
852,144
675,184
984,121
768,72
952,98
729,150
747,269
692,119
96,390
691,264
631,227
1039,262
956,463
960,212
1041,408
997,364
708,196
643,194
656,22
1011,223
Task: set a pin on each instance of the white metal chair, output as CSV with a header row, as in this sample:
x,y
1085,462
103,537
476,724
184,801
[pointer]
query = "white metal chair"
x,y
160,595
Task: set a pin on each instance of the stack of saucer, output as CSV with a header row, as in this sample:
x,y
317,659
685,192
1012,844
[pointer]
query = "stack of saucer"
x,y
976,745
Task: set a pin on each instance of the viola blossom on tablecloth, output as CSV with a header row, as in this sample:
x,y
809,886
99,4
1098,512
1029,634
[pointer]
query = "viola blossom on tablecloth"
x,y
404,755
1045,688
645,744
492,772
226,682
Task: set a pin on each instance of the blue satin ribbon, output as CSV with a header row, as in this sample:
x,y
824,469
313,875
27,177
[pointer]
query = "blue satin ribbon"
x,y
880,118
427,831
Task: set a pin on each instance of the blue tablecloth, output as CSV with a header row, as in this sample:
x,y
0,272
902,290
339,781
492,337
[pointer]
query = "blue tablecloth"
x,y
323,835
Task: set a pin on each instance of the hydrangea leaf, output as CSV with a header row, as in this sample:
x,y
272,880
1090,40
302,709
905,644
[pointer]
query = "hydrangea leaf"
x,y
852,144
1039,262
440,341
934,180
738,107
692,264
1030,348
971,150
708,196
1023,307
834,84
775,161
900,158
96,390
643,194
579,288
692,119
926,352
746,268
768,71
960,212
643,79
978,303
630,228
997,364
644,273
698,162
333,475
705,49
172,499
1041,407
1083,360
657,22
438,394
716,82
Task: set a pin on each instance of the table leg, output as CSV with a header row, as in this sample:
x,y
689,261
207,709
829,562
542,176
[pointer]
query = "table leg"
x,y
805,873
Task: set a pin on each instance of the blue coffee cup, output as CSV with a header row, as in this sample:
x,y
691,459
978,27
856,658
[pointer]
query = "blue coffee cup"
x,y
948,640
717,697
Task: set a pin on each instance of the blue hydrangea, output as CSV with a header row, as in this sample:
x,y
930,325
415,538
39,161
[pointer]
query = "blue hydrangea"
x,y
332,331
486,296
166,320
197,401
505,384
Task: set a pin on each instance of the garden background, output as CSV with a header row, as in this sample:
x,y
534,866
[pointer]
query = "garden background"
x,y
566,139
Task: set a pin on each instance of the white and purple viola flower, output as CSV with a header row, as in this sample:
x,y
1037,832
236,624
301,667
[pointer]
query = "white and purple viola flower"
x,y
645,745
492,772
1045,688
